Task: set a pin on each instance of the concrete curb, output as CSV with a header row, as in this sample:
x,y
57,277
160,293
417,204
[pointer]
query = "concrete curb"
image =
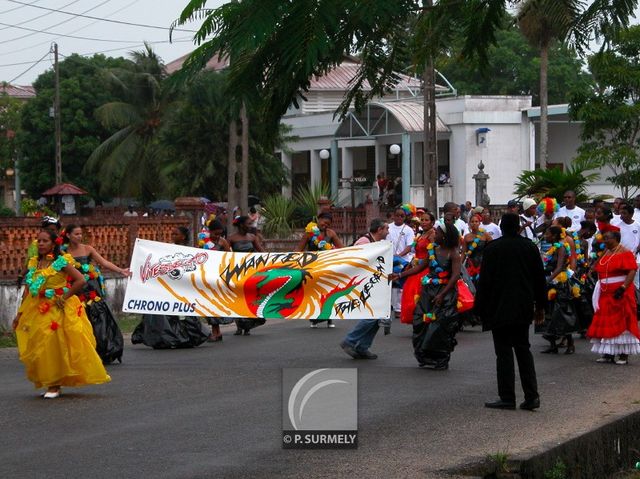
x,y
599,453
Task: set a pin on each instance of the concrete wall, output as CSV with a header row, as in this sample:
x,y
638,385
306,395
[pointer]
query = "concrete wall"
x,y
507,150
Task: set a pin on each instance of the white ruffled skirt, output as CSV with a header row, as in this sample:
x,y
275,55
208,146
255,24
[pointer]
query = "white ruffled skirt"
x,y
626,343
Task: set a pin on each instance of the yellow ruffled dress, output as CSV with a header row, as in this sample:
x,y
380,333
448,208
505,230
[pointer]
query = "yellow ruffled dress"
x,y
56,345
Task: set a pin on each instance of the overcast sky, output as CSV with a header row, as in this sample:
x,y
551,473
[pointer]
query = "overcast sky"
x,y
21,47
18,45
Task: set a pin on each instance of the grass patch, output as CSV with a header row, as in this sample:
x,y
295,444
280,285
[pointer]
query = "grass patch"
x,y
128,322
8,340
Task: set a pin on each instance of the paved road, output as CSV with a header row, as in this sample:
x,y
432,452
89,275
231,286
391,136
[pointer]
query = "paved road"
x,y
214,411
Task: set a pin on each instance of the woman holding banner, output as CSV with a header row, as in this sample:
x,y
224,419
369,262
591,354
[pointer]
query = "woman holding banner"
x,y
214,241
320,237
244,242
109,341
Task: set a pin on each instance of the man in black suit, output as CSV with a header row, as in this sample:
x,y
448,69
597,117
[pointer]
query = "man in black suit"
x,y
510,292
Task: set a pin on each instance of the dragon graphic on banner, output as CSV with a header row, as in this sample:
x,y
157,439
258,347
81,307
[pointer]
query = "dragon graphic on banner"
x,y
348,283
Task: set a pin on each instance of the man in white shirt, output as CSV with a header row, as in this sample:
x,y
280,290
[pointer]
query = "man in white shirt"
x,y
636,211
629,229
571,210
489,226
454,209
401,236
629,233
617,203
528,219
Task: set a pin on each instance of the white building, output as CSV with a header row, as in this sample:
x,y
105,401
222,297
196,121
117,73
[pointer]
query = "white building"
x,y
500,131
359,145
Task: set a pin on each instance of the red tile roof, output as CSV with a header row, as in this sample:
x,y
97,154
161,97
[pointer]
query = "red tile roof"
x,y
215,64
15,91
64,189
340,79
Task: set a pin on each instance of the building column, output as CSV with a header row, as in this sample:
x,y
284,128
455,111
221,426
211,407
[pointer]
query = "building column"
x,y
334,168
315,168
347,162
406,167
381,159
287,162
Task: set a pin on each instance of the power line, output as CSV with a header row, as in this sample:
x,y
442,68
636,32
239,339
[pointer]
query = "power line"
x,y
19,63
18,8
38,17
68,33
46,29
62,35
28,69
177,40
101,19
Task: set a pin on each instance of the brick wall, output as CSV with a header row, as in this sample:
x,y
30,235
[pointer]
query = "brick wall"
x,y
112,237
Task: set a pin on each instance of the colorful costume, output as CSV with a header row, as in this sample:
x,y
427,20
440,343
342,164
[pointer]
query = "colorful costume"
x,y
435,327
614,329
56,344
413,284
109,341
560,317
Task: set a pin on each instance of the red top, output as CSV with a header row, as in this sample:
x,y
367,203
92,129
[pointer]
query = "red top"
x,y
617,264
421,247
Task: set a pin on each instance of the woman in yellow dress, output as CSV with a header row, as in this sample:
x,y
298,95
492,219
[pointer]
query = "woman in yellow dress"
x,y
55,339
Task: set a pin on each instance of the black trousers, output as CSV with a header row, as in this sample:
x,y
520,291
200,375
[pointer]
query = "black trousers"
x,y
506,341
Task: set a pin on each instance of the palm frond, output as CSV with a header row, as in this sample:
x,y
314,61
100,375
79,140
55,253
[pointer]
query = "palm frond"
x,y
117,115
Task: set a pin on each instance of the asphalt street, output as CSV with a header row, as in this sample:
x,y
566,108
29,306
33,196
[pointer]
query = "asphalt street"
x,y
216,410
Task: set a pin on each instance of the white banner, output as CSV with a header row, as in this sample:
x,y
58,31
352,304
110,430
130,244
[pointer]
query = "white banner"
x,y
348,283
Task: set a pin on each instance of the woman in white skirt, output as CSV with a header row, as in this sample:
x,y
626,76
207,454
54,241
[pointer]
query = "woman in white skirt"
x,y
614,329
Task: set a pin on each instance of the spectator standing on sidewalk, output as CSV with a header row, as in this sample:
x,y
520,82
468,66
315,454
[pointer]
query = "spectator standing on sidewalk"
x,y
357,343
511,287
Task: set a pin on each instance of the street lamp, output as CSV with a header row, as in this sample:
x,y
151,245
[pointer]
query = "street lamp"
x,y
394,149
324,154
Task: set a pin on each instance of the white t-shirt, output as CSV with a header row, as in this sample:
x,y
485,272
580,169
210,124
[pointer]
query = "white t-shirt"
x,y
636,215
528,231
576,215
460,225
630,235
401,237
616,220
492,230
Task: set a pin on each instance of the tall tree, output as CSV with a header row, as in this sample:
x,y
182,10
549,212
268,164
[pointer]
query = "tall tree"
x,y
129,161
83,88
10,111
542,30
611,113
196,141
279,45
513,67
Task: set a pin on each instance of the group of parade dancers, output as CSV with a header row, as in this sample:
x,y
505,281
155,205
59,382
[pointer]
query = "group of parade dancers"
x,y
590,268
589,260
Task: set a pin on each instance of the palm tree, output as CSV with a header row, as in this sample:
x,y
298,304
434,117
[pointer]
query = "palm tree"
x,y
129,160
542,29
554,182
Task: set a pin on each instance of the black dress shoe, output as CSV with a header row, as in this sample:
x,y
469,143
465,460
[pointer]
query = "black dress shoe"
x,y
530,405
500,404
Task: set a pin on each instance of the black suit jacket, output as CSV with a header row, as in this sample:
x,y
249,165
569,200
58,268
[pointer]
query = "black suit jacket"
x,y
511,282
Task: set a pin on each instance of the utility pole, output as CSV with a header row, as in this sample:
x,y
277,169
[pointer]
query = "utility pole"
x,y
56,116
430,153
